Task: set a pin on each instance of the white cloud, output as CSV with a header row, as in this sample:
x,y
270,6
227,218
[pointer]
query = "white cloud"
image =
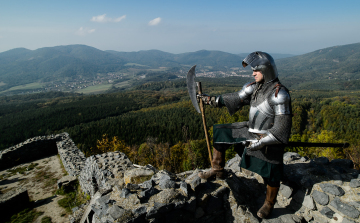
x,y
120,18
103,18
155,22
84,31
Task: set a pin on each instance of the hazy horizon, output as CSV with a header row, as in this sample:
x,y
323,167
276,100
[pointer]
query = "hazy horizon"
x,y
284,27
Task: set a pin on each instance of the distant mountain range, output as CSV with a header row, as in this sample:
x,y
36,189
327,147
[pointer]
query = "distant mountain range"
x,y
22,66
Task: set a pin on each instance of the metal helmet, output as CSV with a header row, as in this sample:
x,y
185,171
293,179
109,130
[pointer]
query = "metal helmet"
x,y
263,62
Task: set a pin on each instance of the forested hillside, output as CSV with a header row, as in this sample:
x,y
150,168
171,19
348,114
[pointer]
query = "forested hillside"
x,y
160,117
333,68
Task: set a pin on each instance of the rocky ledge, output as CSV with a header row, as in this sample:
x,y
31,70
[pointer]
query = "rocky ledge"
x,y
312,191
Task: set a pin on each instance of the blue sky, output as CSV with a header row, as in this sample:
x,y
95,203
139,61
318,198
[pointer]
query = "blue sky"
x,y
293,27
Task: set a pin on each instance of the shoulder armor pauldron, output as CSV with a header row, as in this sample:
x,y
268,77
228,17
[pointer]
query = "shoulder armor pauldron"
x,y
281,102
246,90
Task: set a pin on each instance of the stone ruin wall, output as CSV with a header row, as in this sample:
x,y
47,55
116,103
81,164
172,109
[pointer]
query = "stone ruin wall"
x,y
312,190
30,150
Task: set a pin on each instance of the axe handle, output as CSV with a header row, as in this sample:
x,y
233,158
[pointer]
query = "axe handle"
x,y
202,109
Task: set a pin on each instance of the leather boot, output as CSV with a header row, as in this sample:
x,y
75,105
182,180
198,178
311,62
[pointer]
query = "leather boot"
x,y
266,209
218,163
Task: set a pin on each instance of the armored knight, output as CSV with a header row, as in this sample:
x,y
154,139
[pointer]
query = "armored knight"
x,y
260,140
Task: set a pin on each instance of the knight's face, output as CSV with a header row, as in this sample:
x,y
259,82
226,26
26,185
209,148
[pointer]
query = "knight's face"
x,y
258,76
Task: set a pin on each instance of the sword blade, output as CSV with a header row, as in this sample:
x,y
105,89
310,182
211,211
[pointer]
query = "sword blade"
x,y
191,86
312,144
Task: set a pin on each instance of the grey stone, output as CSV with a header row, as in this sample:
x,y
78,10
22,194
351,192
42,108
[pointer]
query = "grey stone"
x,y
327,212
150,167
332,189
355,204
167,183
320,197
319,218
125,193
346,209
139,210
148,193
287,218
297,218
190,178
234,163
148,184
285,190
131,186
183,188
346,220
103,200
309,202
195,183
116,212
354,183
97,210
291,156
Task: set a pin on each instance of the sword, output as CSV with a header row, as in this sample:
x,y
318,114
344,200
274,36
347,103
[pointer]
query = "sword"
x,y
191,85
314,144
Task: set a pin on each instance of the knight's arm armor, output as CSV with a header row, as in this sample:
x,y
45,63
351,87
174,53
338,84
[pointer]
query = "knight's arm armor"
x,y
279,133
235,101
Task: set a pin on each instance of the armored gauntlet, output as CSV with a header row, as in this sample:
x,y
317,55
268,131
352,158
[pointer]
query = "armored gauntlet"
x,y
269,139
208,100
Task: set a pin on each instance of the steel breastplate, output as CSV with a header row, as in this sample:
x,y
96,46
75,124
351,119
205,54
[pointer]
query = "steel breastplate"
x,y
261,118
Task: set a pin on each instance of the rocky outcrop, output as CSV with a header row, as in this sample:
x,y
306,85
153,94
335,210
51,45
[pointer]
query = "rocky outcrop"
x,y
320,190
312,191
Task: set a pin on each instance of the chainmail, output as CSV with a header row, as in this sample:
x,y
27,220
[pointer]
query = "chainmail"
x,y
233,102
282,128
262,92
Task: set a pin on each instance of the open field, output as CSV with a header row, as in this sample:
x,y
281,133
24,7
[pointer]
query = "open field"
x,y
95,89
135,64
123,84
24,87
159,69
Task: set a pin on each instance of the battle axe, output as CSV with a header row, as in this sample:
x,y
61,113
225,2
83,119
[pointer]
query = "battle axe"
x,y
191,85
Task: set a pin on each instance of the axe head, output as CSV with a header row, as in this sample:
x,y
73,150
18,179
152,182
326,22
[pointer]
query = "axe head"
x,y
191,86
